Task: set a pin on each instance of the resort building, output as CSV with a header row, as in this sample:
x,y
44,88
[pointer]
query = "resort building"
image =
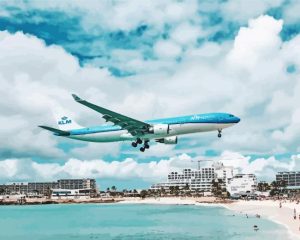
x,y
189,179
242,184
225,173
86,186
291,179
85,183
197,180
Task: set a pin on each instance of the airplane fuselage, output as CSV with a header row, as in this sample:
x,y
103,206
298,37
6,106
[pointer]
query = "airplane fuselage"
x,y
176,126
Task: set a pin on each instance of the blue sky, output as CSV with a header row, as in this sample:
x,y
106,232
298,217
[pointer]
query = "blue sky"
x,y
148,60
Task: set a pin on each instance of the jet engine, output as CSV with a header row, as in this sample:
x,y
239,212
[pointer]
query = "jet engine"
x,y
160,129
168,140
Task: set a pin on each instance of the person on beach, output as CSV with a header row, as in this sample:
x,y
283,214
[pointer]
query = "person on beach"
x,y
295,214
280,206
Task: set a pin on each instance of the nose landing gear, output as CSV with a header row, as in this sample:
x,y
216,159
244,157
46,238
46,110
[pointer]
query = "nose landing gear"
x,y
219,133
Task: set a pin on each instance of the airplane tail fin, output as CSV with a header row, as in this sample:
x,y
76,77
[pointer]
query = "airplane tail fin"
x,y
65,123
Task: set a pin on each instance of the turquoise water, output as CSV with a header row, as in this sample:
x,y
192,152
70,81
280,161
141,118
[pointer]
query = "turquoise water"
x,y
132,221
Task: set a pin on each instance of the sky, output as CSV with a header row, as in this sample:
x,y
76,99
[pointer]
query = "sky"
x,y
147,60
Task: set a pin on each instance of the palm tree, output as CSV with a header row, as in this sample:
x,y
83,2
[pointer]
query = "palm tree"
x,y
260,186
2,191
186,189
217,187
158,192
282,185
275,188
263,186
125,191
176,190
143,194
49,192
163,191
172,188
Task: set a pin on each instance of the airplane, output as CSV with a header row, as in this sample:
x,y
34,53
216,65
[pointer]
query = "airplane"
x,y
125,128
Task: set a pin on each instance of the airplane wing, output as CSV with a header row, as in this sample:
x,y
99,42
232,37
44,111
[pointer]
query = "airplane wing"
x,y
134,127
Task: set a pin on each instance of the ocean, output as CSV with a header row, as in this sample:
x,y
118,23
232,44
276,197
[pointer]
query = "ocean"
x,y
131,221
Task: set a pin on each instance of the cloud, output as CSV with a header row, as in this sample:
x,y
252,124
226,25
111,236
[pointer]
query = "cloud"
x,y
186,33
36,79
241,11
260,40
149,172
28,170
167,49
264,168
149,60
246,88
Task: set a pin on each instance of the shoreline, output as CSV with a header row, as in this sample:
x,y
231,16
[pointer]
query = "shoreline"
x,y
44,201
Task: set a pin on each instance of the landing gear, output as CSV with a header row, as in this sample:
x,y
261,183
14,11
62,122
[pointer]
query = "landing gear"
x,y
219,133
138,141
146,146
142,149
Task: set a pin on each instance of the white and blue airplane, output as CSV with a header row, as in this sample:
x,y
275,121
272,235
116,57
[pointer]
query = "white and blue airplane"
x,y
125,128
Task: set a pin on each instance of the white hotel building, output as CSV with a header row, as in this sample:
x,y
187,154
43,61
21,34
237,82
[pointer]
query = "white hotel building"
x,y
242,184
198,180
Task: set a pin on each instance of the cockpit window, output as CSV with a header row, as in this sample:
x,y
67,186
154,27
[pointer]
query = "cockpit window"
x,y
230,115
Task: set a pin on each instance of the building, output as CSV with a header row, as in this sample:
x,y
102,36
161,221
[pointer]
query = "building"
x,y
225,173
291,179
86,186
85,183
43,188
70,192
14,188
195,180
198,180
242,184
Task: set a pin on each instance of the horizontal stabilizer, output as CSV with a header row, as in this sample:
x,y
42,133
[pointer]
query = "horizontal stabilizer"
x,y
56,131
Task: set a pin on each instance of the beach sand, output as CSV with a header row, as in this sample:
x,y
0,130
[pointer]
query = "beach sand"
x,y
266,209
270,209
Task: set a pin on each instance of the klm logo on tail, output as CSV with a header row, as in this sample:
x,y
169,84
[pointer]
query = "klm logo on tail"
x,y
64,120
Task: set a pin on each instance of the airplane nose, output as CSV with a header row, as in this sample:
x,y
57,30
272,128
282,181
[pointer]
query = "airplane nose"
x,y
237,119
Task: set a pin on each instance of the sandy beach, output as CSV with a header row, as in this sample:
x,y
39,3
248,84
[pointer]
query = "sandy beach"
x,y
266,209
270,209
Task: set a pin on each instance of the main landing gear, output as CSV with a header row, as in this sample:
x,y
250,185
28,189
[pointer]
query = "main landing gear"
x,y
219,133
146,146
139,141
